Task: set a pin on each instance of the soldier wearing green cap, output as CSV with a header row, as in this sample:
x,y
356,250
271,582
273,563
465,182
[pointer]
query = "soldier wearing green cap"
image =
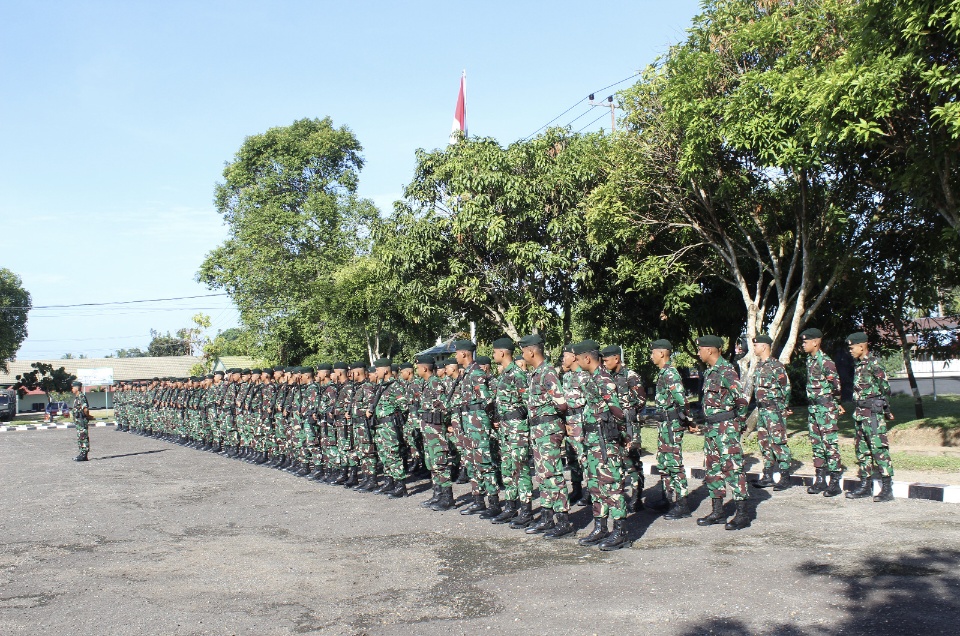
x,y
670,399
771,390
81,418
823,411
363,458
389,405
633,398
871,393
724,407
513,435
433,416
339,419
412,426
573,378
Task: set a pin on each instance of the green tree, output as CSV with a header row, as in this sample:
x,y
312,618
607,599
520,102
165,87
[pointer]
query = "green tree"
x,y
133,352
14,304
45,378
167,345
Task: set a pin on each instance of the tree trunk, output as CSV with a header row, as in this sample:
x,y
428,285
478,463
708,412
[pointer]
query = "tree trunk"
x,y
905,348
567,320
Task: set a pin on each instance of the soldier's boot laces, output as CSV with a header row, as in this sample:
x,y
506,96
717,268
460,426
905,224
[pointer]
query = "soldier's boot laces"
x,y
716,516
618,538
886,490
476,507
399,490
783,481
819,484
545,523
82,457
834,488
561,526
493,508
741,519
865,489
598,534
680,509
446,500
509,512
766,480
434,499
524,516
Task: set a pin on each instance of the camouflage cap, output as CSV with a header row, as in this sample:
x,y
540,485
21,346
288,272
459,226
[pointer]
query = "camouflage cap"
x,y
763,339
662,344
710,341
857,337
504,343
811,334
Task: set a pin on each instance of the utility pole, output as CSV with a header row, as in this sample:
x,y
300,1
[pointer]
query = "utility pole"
x,y
613,110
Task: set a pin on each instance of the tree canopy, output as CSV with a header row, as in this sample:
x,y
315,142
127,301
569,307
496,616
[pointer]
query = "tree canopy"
x,y
14,305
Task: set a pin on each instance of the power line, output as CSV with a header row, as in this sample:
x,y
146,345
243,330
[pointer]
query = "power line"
x,y
116,302
594,121
599,90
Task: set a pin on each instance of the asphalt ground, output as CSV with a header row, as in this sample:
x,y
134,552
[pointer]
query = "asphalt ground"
x,y
152,538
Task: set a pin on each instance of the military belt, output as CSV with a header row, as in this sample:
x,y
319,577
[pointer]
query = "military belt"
x,y
575,411
432,417
471,408
768,406
825,400
666,415
516,414
543,419
871,403
722,416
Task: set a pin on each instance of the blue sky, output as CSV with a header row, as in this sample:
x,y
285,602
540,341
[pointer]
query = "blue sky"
x,y
116,119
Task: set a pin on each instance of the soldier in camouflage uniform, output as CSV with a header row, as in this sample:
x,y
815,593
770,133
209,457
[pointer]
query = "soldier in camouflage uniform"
x,y
343,422
601,442
823,411
633,398
450,373
326,393
771,390
81,418
432,414
388,407
412,428
671,403
513,433
573,379
471,397
545,408
724,408
871,392
364,457
338,380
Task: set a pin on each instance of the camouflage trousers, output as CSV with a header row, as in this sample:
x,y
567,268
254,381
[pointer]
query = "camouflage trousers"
x,y
605,477
772,437
83,434
302,439
673,476
389,450
261,432
724,459
824,436
477,457
230,434
364,449
576,452
547,439
871,445
279,438
437,451
328,446
412,438
345,450
514,439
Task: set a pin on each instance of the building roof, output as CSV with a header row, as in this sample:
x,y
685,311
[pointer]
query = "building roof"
x,y
233,362
123,368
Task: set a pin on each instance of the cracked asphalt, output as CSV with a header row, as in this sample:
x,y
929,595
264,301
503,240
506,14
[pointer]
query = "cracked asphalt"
x,y
153,538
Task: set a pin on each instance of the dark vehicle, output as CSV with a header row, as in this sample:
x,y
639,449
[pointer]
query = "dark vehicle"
x,y
8,405
56,408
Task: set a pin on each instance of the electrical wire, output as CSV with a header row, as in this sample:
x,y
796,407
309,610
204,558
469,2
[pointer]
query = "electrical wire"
x,y
599,90
602,115
115,302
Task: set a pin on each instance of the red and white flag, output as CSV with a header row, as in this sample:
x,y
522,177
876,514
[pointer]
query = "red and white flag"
x,y
460,115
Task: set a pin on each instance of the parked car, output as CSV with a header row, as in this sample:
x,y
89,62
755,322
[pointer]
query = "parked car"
x,y
8,405
54,409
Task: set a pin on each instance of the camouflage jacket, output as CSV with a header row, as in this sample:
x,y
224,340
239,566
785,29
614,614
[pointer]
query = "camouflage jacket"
x,y
670,393
433,396
509,392
722,390
771,386
823,381
363,396
544,390
343,407
869,379
629,391
79,404
390,399
599,390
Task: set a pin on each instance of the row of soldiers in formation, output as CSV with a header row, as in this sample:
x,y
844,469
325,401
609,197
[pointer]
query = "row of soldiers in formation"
x,y
346,424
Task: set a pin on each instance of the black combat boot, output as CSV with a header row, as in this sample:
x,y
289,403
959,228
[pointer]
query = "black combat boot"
x,y
82,457
509,512
261,458
783,482
476,507
352,478
387,486
886,490
493,508
434,499
576,493
714,517
524,516
586,500
293,467
446,500
834,488
766,480
285,462
462,477
741,519
618,538
819,484
598,534
635,503
680,510
399,490
664,504
561,526
545,523
865,489
304,470
342,477
369,483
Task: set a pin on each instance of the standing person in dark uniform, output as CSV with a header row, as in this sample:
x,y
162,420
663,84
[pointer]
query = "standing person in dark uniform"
x,y
81,416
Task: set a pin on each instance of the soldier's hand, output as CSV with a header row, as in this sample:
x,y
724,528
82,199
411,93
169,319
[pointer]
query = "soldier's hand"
x,y
788,413
890,416
841,409
450,429
369,413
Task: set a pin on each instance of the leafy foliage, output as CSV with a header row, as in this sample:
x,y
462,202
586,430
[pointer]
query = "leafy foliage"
x,y
14,305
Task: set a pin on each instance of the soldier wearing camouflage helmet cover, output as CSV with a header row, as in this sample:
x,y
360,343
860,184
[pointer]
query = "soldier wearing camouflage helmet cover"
x,y
871,393
771,390
671,414
823,411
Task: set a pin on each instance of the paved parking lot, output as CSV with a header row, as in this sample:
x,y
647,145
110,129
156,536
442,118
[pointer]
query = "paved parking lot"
x,y
153,538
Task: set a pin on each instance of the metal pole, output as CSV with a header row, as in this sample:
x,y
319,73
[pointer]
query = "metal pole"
x,y
933,376
613,118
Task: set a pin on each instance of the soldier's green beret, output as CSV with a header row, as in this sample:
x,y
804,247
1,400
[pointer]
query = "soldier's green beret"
x,y
856,338
76,384
358,365
194,378
267,370
214,373
256,371
611,350
763,339
518,359
394,367
504,343
568,348
306,370
427,360
451,362
404,365
586,346
326,366
811,334
483,359
464,345
245,372
209,376
382,362
661,344
710,341
371,369
340,365
531,340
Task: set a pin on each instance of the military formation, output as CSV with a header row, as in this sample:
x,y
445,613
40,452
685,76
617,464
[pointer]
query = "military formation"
x,y
519,431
